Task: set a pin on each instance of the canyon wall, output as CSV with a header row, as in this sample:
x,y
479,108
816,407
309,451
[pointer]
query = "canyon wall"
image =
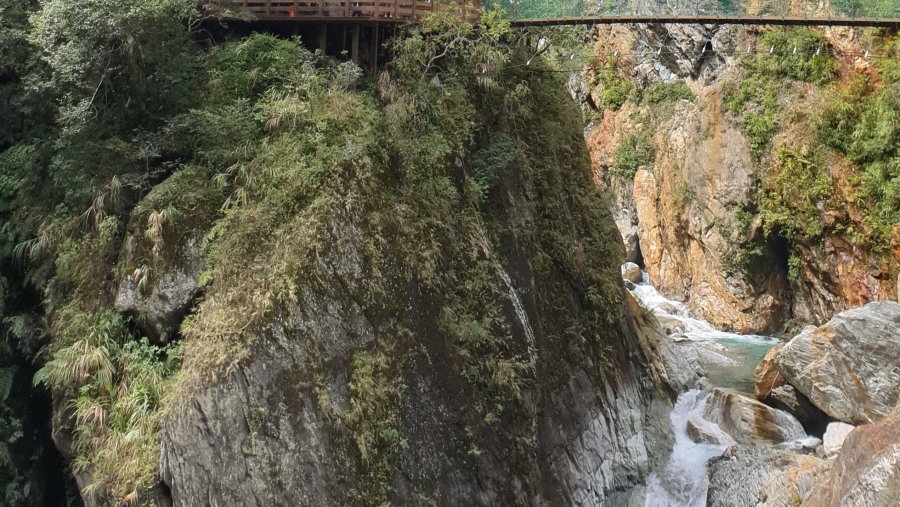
x,y
694,211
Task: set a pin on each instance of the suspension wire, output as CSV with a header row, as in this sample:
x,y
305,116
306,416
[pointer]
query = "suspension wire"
x,y
650,55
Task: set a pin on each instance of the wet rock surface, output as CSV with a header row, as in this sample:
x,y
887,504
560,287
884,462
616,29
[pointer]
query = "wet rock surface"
x,y
700,435
632,272
749,421
162,256
272,428
160,309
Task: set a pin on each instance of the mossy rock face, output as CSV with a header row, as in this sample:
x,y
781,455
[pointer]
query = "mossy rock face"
x,y
379,328
379,403
161,259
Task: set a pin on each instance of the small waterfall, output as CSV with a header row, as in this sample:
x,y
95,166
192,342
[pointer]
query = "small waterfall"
x,y
737,355
520,311
683,481
695,329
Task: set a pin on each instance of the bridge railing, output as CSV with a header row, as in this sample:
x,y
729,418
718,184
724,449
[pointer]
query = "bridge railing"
x,y
555,9
348,10
536,10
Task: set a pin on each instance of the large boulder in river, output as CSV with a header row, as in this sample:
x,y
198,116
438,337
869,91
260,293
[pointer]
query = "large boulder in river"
x,y
866,471
750,422
834,437
632,272
701,435
849,367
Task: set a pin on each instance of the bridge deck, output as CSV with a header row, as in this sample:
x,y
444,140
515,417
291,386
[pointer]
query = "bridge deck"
x,y
572,12
343,11
719,20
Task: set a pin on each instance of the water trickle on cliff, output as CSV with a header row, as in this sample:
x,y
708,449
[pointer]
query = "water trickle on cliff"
x,y
520,311
529,334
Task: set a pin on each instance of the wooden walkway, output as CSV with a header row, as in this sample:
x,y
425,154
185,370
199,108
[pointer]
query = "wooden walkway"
x,y
403,11
343,11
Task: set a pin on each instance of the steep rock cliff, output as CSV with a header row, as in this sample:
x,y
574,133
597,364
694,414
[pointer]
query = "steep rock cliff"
x,y
695,198
272,432
457,338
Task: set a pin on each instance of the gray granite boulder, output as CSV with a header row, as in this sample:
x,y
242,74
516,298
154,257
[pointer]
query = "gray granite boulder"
x,y
850,366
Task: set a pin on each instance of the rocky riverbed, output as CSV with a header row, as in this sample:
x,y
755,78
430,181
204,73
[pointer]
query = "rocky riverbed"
x,y
752,431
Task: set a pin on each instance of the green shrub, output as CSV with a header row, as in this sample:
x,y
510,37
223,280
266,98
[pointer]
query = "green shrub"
x,y
374,391
667,92
117,387
794,56
795,194
255,65
636,150
795,264
615,88
491,163
741,255
755,101
683,195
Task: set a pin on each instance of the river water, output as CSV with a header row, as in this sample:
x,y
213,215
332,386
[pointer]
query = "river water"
x,y
683,481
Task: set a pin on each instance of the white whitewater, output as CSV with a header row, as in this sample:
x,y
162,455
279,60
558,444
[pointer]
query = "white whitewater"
x,y
731,358
683,481
694,329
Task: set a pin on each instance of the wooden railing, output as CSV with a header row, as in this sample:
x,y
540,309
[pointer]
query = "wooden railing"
x,y
357,10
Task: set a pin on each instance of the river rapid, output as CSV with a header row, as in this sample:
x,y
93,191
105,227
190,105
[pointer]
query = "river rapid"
x,y
731,361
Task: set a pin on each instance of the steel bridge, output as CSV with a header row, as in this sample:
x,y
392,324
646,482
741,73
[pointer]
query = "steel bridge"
x,y
568,12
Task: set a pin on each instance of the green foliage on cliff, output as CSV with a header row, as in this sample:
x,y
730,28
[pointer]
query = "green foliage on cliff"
x,y
13,475
114,386
755,101
615,89
795,195
792,54
667,92
748,249
785,55
635,150
311,192
491,163
374,417
89,89
861,121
